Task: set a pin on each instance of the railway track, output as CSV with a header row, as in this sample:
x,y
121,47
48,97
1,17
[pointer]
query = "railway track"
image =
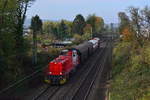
x,y
69,93
83,90
100,85
49,94
66,86
70,90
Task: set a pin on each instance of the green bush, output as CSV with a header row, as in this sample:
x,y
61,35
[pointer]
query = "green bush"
x,y
131,71
78,39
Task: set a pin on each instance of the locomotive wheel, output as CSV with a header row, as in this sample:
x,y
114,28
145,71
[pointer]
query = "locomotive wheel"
x,y
63,81
72,72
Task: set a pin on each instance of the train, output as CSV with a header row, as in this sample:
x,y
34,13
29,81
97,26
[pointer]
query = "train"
x,y
59,69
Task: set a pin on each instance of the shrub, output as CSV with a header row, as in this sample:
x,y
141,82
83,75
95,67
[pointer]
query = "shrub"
x,y
78,39
131,72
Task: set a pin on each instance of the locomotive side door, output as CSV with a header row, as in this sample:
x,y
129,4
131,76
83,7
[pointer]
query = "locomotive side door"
x,y
74,57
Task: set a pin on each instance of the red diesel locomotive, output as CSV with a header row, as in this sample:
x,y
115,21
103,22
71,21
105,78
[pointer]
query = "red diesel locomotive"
x,y
59,69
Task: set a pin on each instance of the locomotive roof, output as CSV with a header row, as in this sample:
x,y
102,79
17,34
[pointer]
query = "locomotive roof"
x,y
61,58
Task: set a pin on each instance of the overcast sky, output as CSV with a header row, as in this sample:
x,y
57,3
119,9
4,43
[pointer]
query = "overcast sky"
x,y
68,9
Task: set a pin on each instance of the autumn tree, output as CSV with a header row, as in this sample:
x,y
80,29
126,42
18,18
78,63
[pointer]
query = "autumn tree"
x,y
87,32
140,21
47,27
50,28
137,25
78,38
125,27
131,58
87,29
54,28
96,22
136,20
78,24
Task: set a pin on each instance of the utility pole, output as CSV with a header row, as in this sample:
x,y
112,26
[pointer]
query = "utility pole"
x,y
91,33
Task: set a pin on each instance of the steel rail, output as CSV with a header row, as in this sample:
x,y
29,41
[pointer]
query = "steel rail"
x,y
93,81
71,89
74,97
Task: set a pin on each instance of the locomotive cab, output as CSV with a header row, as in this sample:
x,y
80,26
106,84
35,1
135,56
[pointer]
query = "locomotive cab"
x,y
75,58
60,68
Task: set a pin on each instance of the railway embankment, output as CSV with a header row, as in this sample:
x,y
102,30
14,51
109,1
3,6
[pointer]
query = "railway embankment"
x,y
130,72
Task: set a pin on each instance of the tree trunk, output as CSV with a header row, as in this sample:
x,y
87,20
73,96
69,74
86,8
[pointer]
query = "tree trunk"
x,y
34,49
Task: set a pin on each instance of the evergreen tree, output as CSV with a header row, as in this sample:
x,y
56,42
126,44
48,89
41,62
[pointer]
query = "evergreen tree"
x,y
36,26
63,30
78,24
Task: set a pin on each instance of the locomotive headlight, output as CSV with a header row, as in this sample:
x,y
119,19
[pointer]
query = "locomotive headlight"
x,y
50,72
60,73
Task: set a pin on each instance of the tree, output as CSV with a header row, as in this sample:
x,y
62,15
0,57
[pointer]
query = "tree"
x,y
54,28
78,24
7,49
36,26
97,23
21,10
69,28
51,28
126,31
140,24
78,38
47,27
125,27
136,20
63,30
87,32
12,15
146,19
87,29
124,19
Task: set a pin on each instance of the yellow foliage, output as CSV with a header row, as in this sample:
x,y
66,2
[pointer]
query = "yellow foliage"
x,y
78,38
87,29
127,33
